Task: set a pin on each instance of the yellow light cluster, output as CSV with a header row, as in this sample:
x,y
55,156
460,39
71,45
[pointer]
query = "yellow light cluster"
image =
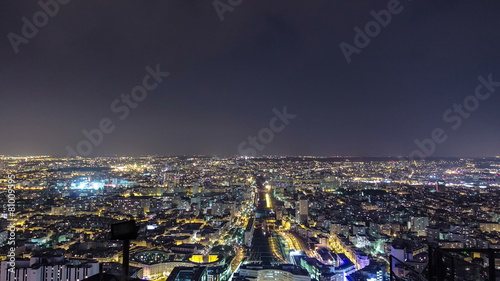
x,y
268,201
200,258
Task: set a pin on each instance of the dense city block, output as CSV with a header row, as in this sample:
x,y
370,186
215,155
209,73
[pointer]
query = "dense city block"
x,y
213,218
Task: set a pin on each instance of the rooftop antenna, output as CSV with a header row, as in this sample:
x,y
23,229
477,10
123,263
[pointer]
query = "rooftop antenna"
x,y
125,231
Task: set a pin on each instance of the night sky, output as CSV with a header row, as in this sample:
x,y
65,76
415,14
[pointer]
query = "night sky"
x,y
226,77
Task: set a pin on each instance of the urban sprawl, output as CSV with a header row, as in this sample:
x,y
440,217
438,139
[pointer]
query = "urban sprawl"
x,y
241,218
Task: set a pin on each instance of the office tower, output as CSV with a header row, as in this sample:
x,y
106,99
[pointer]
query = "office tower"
x,y
303,210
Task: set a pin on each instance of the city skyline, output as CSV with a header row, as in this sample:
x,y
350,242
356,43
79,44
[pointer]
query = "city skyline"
x,y
240,219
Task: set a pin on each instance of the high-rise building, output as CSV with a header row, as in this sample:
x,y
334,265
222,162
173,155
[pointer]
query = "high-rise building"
x,y
302,210
419,225
53,268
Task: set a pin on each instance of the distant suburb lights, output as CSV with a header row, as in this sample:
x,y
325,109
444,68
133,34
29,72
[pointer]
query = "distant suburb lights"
x,y
121,106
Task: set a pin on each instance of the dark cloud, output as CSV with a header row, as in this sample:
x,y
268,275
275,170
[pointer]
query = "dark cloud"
x,y
226,77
